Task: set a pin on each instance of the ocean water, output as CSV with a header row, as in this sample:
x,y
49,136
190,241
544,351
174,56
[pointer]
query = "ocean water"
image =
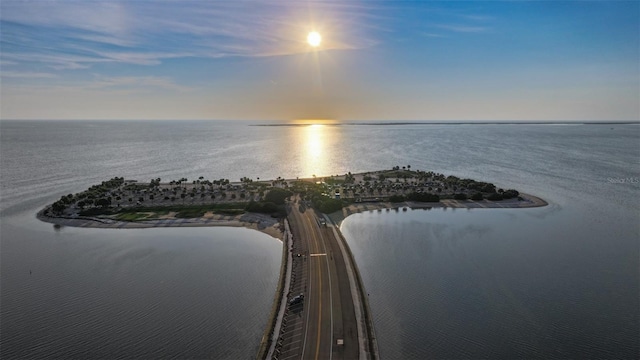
x,y
553,282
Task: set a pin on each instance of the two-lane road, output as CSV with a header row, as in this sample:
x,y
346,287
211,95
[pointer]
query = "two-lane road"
x,y
318,339
324,327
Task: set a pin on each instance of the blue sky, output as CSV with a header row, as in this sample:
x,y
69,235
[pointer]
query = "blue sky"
x,y
379,60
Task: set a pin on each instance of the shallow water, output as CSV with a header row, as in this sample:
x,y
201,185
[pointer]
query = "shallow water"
x,y
495,283
170,292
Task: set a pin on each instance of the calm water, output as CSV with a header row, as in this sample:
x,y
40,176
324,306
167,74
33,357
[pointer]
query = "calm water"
x,y
560,281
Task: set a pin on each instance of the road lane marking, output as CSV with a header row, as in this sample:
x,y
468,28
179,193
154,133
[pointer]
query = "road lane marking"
x,y
330,298
317,247
318,254
289,357
319,311
293,342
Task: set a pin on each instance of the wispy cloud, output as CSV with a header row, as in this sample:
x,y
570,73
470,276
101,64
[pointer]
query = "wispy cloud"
x,y
27,75
135,82
434,35
462,28
102,85
76,35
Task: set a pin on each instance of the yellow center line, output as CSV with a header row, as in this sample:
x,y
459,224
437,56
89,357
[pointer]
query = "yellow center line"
x,y
319,312
318,267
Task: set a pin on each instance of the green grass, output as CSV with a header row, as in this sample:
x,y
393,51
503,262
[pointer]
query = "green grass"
x,y
140,213
132,216
182,211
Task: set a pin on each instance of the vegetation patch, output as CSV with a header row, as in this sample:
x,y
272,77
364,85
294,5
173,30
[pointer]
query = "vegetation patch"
x,y
423,197
133,216
277,196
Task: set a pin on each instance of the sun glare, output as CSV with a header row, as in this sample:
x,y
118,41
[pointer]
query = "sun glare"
x,y
314,39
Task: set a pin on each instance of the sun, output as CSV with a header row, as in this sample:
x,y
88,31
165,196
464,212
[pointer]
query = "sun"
x,y
314,39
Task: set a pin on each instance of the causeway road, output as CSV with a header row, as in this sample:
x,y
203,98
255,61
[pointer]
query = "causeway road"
x,y
330,322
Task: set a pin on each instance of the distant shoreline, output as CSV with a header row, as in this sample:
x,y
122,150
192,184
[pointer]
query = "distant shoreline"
x,y
403,123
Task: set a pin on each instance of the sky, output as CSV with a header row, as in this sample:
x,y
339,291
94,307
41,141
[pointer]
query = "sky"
x,y
378,60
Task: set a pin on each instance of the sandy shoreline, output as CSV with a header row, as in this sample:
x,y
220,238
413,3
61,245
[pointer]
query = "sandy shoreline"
x,y
260,222
529,201
271,226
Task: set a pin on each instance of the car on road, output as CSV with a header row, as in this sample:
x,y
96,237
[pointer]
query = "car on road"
x,y
296,300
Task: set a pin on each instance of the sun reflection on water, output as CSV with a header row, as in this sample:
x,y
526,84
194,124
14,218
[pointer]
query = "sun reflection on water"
x,y
315,157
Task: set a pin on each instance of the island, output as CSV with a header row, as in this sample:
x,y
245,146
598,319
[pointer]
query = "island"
x,y
320,308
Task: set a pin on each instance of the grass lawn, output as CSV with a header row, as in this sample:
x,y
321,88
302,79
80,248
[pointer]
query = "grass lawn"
x,y
134,216
182,211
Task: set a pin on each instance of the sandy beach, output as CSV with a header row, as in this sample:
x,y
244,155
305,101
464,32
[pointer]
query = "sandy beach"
x,y
528,201
259,222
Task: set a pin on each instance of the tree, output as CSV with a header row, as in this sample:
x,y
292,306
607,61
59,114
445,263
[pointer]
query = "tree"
x,y
460,196
103,202
277,196
423,197
58,207
509,194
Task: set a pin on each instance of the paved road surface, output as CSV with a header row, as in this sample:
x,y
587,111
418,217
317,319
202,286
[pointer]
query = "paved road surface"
x,y
323,326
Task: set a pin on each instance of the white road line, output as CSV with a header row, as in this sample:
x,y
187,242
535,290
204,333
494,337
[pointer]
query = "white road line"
x,y
293,342
289,357
318,254
293,332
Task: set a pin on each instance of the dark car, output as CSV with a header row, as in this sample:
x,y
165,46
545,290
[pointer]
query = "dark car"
x,y
296,300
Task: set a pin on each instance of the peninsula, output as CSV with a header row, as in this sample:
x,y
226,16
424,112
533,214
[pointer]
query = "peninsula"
x,y
321,308
261,204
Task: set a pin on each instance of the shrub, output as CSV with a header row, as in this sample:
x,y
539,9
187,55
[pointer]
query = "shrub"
x,y
277,196
262,207
488,188
396,198
494,197
326,204
423,197
509,194
477,196
460,196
